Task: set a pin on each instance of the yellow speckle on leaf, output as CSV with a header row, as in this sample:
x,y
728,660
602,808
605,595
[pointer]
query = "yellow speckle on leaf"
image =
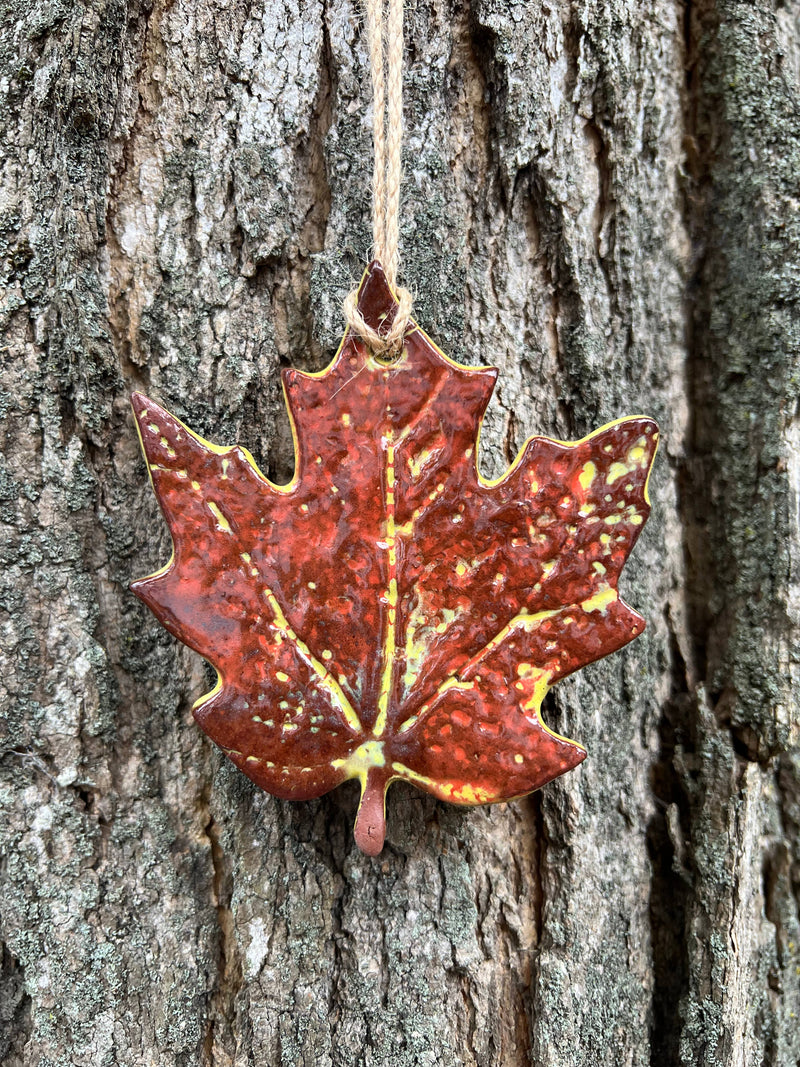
x,y
600,601
469,794
416,463
454,683
587,475
616,471
222,522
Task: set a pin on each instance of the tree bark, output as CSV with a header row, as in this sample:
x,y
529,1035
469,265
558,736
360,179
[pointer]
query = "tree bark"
x,y
600,198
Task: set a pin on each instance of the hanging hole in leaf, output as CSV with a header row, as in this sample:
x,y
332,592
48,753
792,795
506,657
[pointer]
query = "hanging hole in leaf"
x,y
387,359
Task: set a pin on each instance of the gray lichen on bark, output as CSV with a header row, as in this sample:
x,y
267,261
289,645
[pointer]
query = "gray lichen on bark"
x,y
600,199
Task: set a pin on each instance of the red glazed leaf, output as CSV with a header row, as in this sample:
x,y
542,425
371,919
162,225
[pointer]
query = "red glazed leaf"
x,y
389,614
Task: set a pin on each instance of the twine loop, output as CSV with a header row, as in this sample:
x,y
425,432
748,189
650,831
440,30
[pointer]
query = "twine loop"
x,y
385,28
386,344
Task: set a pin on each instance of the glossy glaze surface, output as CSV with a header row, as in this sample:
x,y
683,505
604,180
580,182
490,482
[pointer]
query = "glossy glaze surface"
x,y
389,614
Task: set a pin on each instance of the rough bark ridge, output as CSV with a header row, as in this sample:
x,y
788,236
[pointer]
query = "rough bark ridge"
x,y
600,198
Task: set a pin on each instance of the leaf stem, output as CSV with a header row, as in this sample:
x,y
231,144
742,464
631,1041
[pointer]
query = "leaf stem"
x,y
370,828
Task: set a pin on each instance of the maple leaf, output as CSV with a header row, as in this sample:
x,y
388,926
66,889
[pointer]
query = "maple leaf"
x,y
390,614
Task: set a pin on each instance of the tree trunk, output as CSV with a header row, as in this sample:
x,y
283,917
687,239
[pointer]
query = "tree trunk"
x,y
599,198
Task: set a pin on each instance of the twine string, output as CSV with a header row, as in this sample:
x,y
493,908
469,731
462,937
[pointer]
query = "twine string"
x,y
387,137
375,34
394,140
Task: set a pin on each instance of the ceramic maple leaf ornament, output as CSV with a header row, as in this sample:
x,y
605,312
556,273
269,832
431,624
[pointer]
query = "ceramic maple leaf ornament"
x,y
390,614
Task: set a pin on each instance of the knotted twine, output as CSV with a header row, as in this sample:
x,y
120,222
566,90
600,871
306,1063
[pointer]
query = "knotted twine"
x,y
387,89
